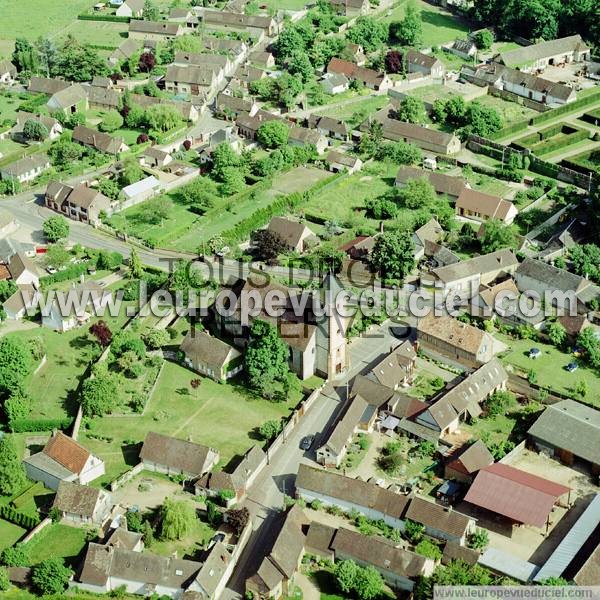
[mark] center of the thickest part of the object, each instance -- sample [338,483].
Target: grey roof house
[211,356]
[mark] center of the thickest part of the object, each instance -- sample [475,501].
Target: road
[266,495]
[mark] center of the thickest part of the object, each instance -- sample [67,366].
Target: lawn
[439,26]
[57,540]
[224,416]
[510,112]
[34,18]
[488,184]
[9,103]
[9,534]
[292,5]
[550,368]
[33,498]
[431,93]
[54,387]
[97,32]
[348,112]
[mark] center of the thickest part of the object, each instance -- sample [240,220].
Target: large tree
[99,393]
[273,134]
[51,576]
[268,244]
[412,110]
[369,583]
[16,363]
[266,359]
[163,117]
[393,255]
[408,31]
[417,193]
[78,62]
[25,56]
[12,473]
[33,129]
[178,519]
[496,235]
[369,33]
[345,575]
[238,518]
[56,228]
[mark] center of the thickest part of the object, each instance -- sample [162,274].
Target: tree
[266,359]
[147,534]
[131,172]
[554,581]
[7,289]
[381,208]
[428,549]
[111,121]
[129,364]
[273,134]
[401,153]
[268,244]
[368,33]
[109,187]
[128,341]
[101,331]
[16,556]
[157,338]
[482,120]
[134,521]
[163,117]
[16,363]
[496,235]
[233,181]
[12,473]
[136,269]
[200,194]
[223,156]
[393,255]
[51,576]
[147,62]
[368,583]
[417,193]
[499,402]
[345,573]
[25,56]
[17,406]
[98,394]
[483,39]
[34,129]
[4,581]
[270,429]
[289,43]
[409,31]
[150,11]
[299,65]
[78,62]
[557,334]
[238,518]
[412,110]
[56,228]
[586,260]
[287,88]
[394,62]
[178,519]
[63,151]
[413,531]
[57,256]
[479,539]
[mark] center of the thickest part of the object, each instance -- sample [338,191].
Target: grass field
[97,32]
[283,5]
[550,368]
[9,534]
[509,111]
[346,112]
[57,540]
[204,415]
[37,17]
[439,26]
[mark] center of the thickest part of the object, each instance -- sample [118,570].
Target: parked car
[307,442]
[572,366]
[535,353]
[51,270]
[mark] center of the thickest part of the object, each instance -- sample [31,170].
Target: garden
[552,138]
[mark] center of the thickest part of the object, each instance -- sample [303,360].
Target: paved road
[265,498]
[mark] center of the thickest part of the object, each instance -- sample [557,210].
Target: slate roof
[121,538]
[68,97]
[470,460]
[304,135]
[126,49]
[77,499]
[329,125]
[319,538]
[486,263]
[529,54]
[44,85]
[289,544]
[67,452]
[442,518]
[354,491]
[204,348]
[342,159]
[395,366]
[345,426]
[399,130]
[177,454]
[570,426]
[202,76]
[546,273]
[454,551]
[372,391]
[515,494]
[213,569]
[19,263]
[236,19]
[103,96]
[442,183]
[432,231]
[23,117]
[423,60]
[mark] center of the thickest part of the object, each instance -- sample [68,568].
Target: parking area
[146,491]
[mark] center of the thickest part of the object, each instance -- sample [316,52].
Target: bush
[428,549]
[31,425]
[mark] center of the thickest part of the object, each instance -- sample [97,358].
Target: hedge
[18,518]
[110,18]
[543,168]
[565,108]
[71,272]
[550,145]
[510,129]
[31,425]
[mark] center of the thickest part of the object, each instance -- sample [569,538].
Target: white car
[51,270]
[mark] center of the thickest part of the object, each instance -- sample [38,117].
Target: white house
[141,190]
[8,72]
[334,83]
[24,299]
[26,169]
[23,271]
[131,8]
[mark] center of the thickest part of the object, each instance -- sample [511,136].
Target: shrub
[428,549]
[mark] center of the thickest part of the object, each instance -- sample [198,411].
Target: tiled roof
[442,518]
[67,452]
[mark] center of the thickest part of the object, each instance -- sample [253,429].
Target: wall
[127,476]
[36,530]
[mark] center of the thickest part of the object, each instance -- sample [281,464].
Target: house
[543,54]
[101,142]
[228,20]
[350,8]
[296,236]
[454,551]
[131,8]
[466,49]
[10,246]
[63,459]
[301,136]
[360,247]
[398,567]
[441,522]
[497,299]
[8,72]
[337,162]
[417,62]
[334,83]
[397,368]
[53,127]
[318,540]
[525,85]
[220,64]
[154,157]
[518,496]
[429,233]
[190,80]
[80,203]
[82,504]
[568,292]
[464,464]
[332,128]
[231,47]
[158,31]
[69,100]
[17,305]
[142,190]
[169,455]
[447,337]
[211,356]
[45,85]
[464,278]
[246,74]
[125,51]
[232,106]
[25,169]
[569,432]
[185,16]
[107,567]
[105,98]
[23,270]
[423,137]
[127,540]
[275,575]
[238,481]
[371,79]
[264,60]
[335,489]
[92,299]
[478,206]
[443,184]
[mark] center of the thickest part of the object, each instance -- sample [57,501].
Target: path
[309,590]
[188,421]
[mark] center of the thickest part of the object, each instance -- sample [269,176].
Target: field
[57,540]
[439,26]
[102,33]
[9,534]
[550,368]
[36,17]
[346,112]
[509,111]
[204,414]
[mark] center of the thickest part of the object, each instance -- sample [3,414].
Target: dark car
[572,367]
[307,442]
